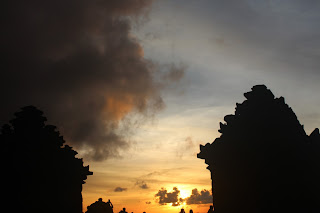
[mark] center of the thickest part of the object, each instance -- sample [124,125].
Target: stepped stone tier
[264,161]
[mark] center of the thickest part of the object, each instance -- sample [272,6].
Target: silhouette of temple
[40,174]
[100,207]
[264,161]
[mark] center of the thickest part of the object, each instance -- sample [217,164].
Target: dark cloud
[148,202]
[204,197]
[77,61]
[164,197]
[120,189]
[142,184]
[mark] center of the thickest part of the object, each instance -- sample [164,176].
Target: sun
[184,193]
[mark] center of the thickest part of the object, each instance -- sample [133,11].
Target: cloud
[204,197]
[120,189]
[163,174]
[187,146]
[142,184]
[174,72]
[148,202]
[164,197]
[78,62]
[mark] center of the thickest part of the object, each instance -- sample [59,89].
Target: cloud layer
[120,189]
[164,197]
[142,184]
[78,62]
[204,197]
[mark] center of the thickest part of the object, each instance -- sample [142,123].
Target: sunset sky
[136,86]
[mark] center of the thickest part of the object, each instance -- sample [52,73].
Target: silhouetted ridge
[41,175]
[264,161]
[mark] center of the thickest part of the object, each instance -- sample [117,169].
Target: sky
[136,86]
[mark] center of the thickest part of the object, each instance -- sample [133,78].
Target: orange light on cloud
[118,107]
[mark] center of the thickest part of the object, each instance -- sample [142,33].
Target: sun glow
[184,193]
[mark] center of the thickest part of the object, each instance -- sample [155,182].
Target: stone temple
[40,173]
[264,161]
